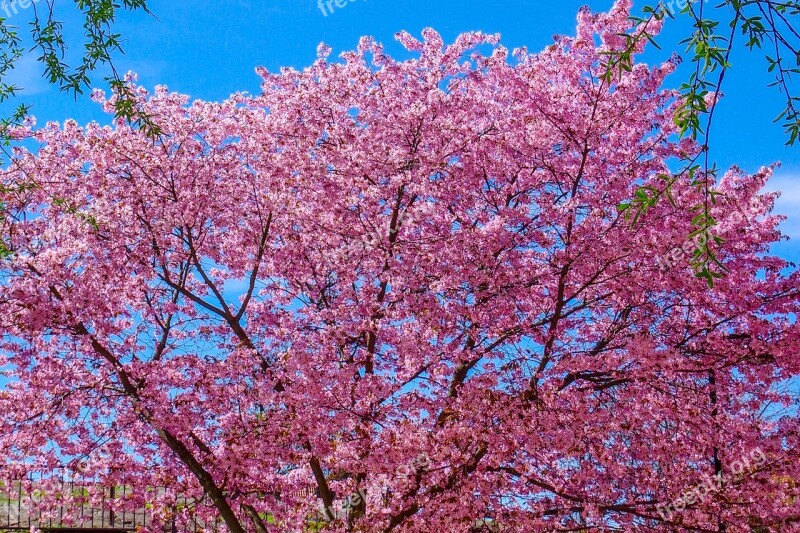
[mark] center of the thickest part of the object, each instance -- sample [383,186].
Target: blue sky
[210,49]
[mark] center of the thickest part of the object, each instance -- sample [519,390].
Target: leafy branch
[99,45]
[761,22]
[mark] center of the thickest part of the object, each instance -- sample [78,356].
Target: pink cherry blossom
[403,285]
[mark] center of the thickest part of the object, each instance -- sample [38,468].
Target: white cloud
[27,75]
[789,202]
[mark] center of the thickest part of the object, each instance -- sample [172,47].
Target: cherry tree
[403,287]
